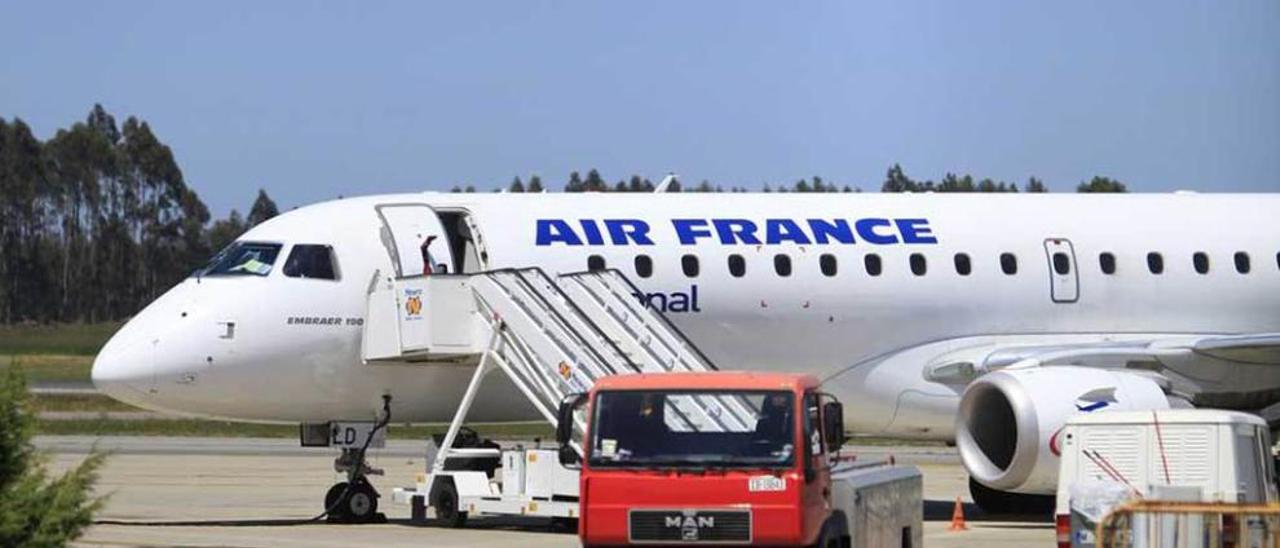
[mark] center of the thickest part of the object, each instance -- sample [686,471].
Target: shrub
[34,509]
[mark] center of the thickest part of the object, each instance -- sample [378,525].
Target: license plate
[766,483]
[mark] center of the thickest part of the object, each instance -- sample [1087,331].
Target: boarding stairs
[553,336]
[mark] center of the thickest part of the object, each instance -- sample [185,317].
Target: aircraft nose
[122,370]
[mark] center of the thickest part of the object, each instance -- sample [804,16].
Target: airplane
[979,319]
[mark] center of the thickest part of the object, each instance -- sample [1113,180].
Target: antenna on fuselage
[666,183]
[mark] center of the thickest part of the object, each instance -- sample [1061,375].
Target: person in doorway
[428,262]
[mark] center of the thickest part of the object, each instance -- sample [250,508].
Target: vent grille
[1189,452]
[1120,446]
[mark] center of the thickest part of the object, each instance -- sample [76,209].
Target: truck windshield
[693,429]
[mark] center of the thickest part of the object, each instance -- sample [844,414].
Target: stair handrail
[568,301]
[692,346]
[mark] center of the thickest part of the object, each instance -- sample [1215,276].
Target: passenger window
[963,265]
[1155,263]
[737,266]
[918,265]
[1242,262]
[1107,262]
[689,264]
[1201,261]
[644,266]
[1008,263]
[595,263]
[782,264]
[827,262]
[1061,263]
[872,262]
[310,261]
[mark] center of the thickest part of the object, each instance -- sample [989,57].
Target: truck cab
[716,457]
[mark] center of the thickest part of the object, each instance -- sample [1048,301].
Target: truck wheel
[829,538]
[446,504]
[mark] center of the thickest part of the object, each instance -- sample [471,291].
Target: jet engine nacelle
[1008,419]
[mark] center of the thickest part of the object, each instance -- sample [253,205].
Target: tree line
[98,220]
[896,180]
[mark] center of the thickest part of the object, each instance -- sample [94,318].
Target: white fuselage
[295,352]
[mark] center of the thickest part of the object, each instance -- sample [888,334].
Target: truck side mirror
[833,424]
[564,417]
[567,455]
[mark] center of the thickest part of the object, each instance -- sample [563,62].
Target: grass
[71,339]
[877,441]
[78,403]
[56,353]
[50,368]
[213,428]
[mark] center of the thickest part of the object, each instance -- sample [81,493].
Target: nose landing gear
[355,500]
[353,503]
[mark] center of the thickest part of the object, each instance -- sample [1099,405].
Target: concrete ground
[252,492]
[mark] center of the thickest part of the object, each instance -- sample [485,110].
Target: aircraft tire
[361,504]
[337,512]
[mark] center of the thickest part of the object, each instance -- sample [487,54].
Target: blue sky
[314,100]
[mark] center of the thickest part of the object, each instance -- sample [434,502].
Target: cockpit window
[310,261]
[243,258]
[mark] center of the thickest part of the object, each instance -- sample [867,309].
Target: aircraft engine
[1006,427]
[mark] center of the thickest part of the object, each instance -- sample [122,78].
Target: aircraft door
[404,229]
[1064,280]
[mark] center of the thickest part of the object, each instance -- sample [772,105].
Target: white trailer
[1187,455]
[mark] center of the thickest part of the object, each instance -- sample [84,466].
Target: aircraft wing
[1233,371]
[1251,349]
[1260,349]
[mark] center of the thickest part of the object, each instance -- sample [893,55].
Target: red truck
[727,458]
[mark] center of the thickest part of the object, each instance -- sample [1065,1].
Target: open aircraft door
[398,324]
[1064,280]
[404,228]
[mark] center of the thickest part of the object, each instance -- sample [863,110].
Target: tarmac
[260,492]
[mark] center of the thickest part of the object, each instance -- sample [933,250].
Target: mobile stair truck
[557,338]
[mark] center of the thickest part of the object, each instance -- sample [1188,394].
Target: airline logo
[625,232]
[1055,445]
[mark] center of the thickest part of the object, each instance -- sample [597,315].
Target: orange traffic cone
[957,518]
